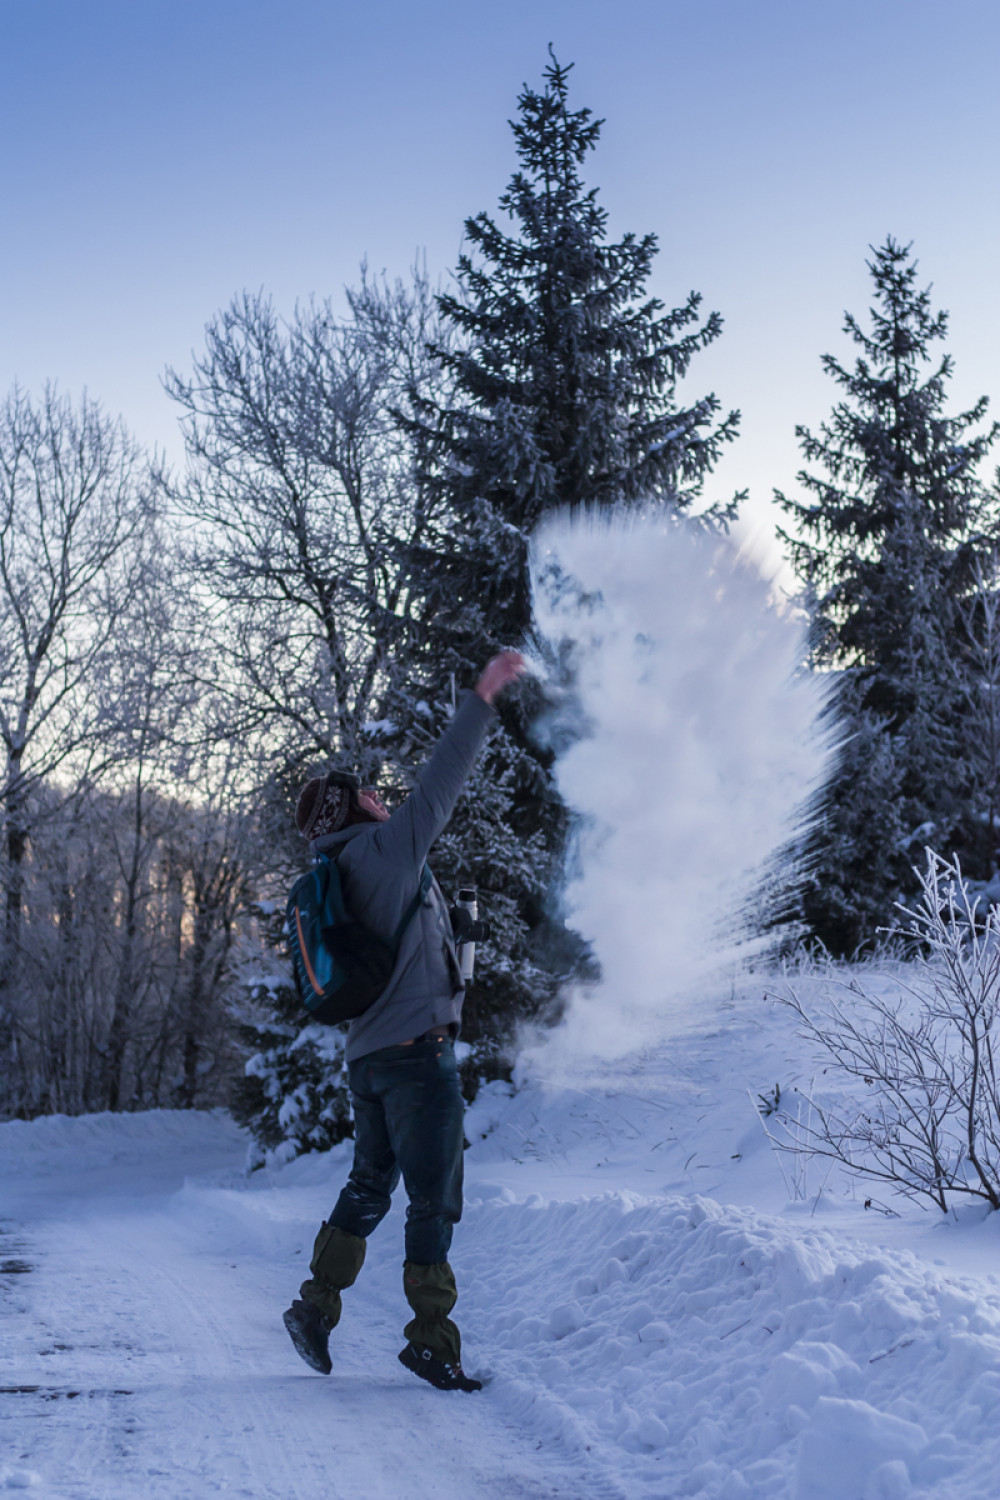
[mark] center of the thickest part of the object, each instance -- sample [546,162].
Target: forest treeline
[345,546]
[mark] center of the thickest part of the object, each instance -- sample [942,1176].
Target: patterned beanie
[324,804]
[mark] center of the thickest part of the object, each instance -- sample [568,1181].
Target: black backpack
[341,967]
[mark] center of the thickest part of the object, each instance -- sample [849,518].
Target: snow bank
[643,1344]
[60,1143]
[687,747]
[705,1351]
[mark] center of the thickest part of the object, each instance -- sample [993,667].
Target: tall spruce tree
[886,542]
[563,377]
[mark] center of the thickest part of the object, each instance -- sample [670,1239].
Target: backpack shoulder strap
[331,887]
[425,884]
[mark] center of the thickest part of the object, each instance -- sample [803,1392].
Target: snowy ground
[657,1318]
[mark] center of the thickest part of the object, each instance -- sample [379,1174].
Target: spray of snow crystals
[687,745]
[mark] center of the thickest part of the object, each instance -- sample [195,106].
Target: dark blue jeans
[408,1113]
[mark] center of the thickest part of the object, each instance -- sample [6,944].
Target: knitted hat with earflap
[325,803]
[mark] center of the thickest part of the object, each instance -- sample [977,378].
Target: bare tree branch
[929,1123]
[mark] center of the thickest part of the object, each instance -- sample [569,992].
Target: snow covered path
[658,1322]
[144,1353]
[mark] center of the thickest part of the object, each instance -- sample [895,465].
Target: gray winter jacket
[381,864]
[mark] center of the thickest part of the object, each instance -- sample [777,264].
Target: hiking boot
[309,1331]
[446,1377]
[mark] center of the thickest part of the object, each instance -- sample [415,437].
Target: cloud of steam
[688,745]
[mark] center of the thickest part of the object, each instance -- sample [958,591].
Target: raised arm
[412,829]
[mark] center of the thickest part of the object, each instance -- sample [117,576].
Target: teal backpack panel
[341,967]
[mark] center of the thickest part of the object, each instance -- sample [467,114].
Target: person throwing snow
[403,1076]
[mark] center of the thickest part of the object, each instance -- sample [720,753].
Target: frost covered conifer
[886,541]
[562,380]
[293,1096]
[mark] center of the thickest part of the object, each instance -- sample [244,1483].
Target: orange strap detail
[305,955]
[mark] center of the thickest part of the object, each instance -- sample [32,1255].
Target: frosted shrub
[928,1121]
[293,1095]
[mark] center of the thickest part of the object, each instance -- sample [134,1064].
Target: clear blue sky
[160,157]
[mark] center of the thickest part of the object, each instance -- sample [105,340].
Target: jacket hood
[342,836]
